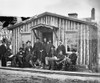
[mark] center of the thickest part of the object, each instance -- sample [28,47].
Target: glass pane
[71,41]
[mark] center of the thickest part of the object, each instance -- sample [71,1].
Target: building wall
[98,58]
[93,45]
[85,35]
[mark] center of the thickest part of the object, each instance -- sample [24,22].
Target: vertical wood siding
[84,36]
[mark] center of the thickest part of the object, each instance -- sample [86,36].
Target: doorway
[48,36]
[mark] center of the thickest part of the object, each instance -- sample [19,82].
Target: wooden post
[78,37]
[79,43]
[18,38]
[88,45]
[84,44]
[98,60]
[81,34]
[13,42]
[72,25]
[66,26]
[46,20]
[75,25]
[63,32]
[32,42]
[59,29]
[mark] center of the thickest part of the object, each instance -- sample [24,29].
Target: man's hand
[11,56]
[41,50]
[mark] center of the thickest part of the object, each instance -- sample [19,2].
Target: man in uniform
[28,54]
[38,50]
[61,47]
[2,52]
[73,59]
[48,47]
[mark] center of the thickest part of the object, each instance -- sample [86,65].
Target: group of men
[44,55]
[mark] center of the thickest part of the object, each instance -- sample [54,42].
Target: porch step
[31,75]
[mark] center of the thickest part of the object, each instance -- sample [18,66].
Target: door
[48,36]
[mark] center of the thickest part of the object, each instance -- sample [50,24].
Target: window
[71,41]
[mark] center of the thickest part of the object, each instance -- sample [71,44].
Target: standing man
[48,47]
[61,47]
[38,49]
[44,53]
[45,42]
[2,52]
[51,56]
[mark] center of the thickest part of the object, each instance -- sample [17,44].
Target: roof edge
[52,14]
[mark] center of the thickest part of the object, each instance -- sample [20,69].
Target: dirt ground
[9,76]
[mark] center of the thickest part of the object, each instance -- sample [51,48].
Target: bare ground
[10,76]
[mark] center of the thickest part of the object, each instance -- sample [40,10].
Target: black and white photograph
[49,41]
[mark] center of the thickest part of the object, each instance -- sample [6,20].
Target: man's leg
[52,64]
[47,60]
[3,61]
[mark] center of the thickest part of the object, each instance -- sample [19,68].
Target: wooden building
[74,33]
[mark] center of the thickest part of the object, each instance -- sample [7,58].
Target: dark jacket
[38,46]
[60,57]
[48,47]
[8,53]
[2,50]
[61,48]
[28,50]
[52,53]
[3,56]
[28,53]
[21,54]
[73,58]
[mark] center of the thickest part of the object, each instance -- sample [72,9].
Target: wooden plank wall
[84,44]
[93,42]
[83,35]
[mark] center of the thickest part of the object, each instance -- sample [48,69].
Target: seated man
[20,56]
[56,61]
[73,58]
[38,62]
[8,54]
[18,59]
[51,56]
[39,52]
[60,59]
[61,62]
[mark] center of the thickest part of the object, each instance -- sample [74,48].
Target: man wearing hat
[61,47]
[51,56]
[73,59]
[38,49]
[20,56]
[28,53]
